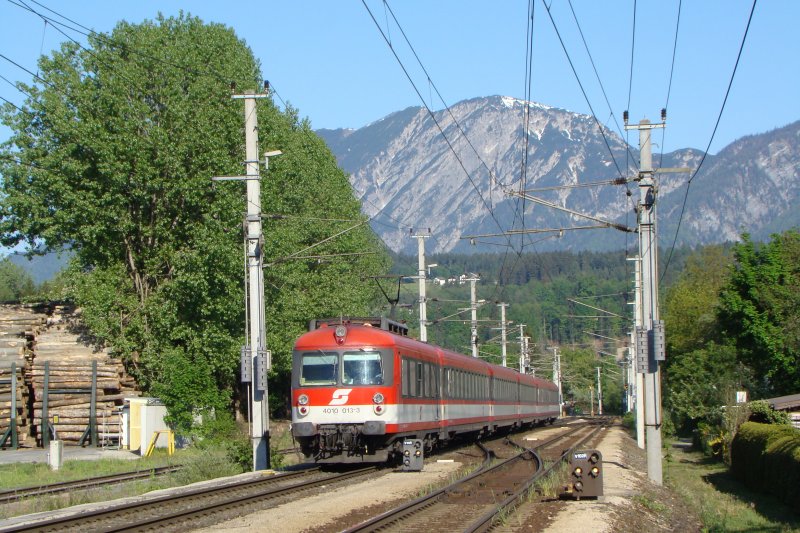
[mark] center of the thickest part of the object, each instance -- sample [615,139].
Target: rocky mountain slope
[408,177]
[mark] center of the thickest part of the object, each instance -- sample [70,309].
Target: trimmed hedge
[766,457]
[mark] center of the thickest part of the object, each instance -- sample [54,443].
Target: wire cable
[433,117]
[713,133]
[585,96]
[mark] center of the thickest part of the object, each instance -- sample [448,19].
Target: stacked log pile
[71,404]
[17,326]
[33,335]
[64,338]
[5,403]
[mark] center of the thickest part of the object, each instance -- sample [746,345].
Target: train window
[404,375]
[319,368]
[419,380]
[362,368]
[428,386]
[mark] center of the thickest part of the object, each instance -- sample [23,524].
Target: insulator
[625,116]
[233,86]
[663,114]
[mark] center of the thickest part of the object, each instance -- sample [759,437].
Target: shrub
[221,432]
[766,457]
[761,411]
[208,462]
[629,421]
[714,436]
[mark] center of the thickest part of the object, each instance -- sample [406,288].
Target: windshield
[362,368]
[319,368]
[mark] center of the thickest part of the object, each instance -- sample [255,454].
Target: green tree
[759,309]
[117,146]
[701,372]
[579,371]
[15,283]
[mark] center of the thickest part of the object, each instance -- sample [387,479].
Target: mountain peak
[407,175]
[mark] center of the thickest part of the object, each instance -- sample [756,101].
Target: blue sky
[328,59]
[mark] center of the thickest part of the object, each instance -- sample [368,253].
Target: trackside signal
[586,474]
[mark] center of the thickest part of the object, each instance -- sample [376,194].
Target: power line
[583,91]
[633,47]
[430,81]
[671,72]
[713,133]
[433,117]
[597,76]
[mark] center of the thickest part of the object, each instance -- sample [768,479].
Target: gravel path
[620,483]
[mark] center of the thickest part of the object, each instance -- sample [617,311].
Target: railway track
[14,495]
[478,501]
[187,508]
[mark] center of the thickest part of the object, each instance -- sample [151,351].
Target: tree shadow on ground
[766,505]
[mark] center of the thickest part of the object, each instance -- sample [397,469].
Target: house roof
[782,403]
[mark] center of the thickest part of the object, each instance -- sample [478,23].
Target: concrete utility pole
[523,350]
[502,306]
[474,307]
[255,357]
[421,276]
[639,367]
[648,251]
[599,393]
[557,377]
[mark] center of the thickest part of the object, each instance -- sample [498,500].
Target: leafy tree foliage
[15,283]
[759,310]
[701,372]
[579,370]
[116,148]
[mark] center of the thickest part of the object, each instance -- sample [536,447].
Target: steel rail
[390,518]
[487,520]
[93,520]
[431,499]
[13,495]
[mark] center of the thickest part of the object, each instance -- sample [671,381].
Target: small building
[141,418]
[790,404]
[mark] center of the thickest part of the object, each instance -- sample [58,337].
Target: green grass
[198,465]
[721,502]
[20,475]
[550,486]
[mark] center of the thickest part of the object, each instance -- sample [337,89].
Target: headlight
[377,398]
[302,410]
[578,471]
[302,399]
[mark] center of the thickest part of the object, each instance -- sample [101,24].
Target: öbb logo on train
[340,396]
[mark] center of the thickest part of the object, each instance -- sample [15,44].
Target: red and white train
[360,387]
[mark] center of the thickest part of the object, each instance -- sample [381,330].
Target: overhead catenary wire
[435,120]
[432,84]
[671,73]
[599,80]
[583,91]
[713,133]
[493,178]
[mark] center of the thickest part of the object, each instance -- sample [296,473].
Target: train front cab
[343,396]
